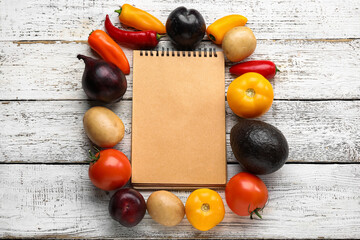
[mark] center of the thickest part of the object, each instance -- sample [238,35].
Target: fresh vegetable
[109,50]
[102,81]
[246,194]
[238,43]
[103,127]
[264,67]
[216,31]
[259,147]
[127,206]
[138,39]
[165,208]
[204,209]
[110,169]
[185,28]
[139,19]
[250,95]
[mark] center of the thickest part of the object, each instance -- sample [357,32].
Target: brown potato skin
[239,43]
[165,208]
[103,127]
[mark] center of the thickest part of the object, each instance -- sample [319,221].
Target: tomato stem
[93,157]
[250,92]
[256,211]
[205,207]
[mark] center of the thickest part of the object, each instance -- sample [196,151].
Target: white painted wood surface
[309,69]
[52,131]
[305,201]
[44,188]
[286,19]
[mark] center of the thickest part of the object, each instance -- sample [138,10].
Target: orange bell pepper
[139,19]
[109,50]
[216,31]
[250,95]
[204,209]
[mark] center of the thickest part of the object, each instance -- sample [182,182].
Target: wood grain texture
[288,19]
[52,131]
[305,201]
[314,43]
[309,69]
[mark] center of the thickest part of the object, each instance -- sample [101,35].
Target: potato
[103,127]
[239,43]
[165,208]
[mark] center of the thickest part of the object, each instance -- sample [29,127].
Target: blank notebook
[178,119]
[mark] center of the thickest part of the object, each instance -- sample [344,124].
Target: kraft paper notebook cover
[178,119]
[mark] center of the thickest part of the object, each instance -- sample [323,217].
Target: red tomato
[111,170]
[246,194]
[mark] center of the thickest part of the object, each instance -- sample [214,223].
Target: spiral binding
[205,52]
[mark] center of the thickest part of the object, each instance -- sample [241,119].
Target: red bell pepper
[263,67]
[138,39]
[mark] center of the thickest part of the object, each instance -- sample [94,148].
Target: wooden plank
[52,131]
[305,201]
[74,20]
[309,69]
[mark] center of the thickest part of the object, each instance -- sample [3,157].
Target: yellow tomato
[204,209]
[250,95]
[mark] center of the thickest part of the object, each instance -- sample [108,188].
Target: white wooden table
[45,191]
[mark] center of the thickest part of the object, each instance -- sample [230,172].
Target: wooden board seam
[166,39]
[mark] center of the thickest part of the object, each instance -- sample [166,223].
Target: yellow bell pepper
[216,31]
[139,19]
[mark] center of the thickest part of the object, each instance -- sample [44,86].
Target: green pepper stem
[159,36]
[212,38]
[277,70]
[91,33]
[118,11]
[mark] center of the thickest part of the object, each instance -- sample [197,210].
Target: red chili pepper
[263,67]
[139,39]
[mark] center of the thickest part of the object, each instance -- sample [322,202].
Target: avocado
[259,147]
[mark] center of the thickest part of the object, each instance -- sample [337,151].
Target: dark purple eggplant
[102,81]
